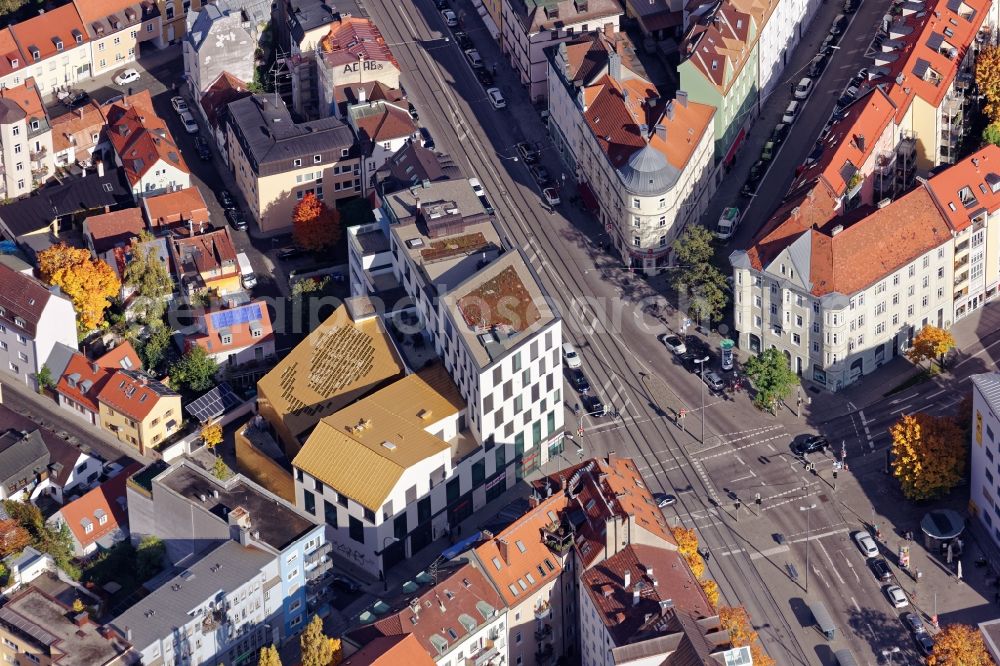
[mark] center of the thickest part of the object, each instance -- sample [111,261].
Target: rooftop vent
[836,230]
[389,445]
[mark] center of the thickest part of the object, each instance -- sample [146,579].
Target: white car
[126,76]
[190,126]
[570,357]
[896,596]
[804,88]
[475,60]
[791,113]
[674,344]
[180,106]
[450,19]
[496,98]
[551,195]
[866,543]
[477,187]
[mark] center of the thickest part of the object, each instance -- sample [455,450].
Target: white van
[247,277]
[791,113]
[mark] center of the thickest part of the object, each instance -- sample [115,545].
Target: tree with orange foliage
[315,226]
[687,545]
[929,455]
[711,590]
[959,645]
[929,344]
[89,283]
[736,622]
[13,537]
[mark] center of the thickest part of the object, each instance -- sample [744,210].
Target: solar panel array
[235,316]
[213,404]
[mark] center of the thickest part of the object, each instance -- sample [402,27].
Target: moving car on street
[812,444]
[664,500]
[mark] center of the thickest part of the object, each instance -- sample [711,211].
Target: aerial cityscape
[499,332]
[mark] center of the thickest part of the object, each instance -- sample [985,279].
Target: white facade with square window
[984,461]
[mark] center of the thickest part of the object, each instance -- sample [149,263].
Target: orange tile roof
[141,139]
[980,172]
[852,140]
[27,97]
[78,128]
[352,38]
[225,89]
[10,54]
[94,13]
[210,337]
[615,110]
[391,651]
[391,123]
[133,394]
[517,559]
[117,227]
[107,500]
[720,48]
[176,208]
[212,251]
[43,31]
[83,379]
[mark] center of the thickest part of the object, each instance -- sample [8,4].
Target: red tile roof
[116,228]
[171,209]
[720,47]
[133,394]
[78,128]
[980,173]
[11,59]
[22,298]
[391,123]
[353,38]
[241,334]
[83,379]
[658,575]
[391,651]
[141,139]
[42,32]
[211,251]
[225,89]
[107,500]
[96,14]
[27,97]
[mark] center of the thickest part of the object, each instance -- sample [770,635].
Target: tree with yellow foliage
[736,622]
[269,656]
[959,645]
[929,454]
[317,648]
[211,435]
[988,80]
[338,652]
[687,545]
[930,343]
[77,605]
[89,283]
[711,590]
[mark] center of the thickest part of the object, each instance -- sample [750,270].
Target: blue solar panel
[242,315]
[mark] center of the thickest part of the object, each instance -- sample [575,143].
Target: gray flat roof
[278,523]
[445,268]
[222,569]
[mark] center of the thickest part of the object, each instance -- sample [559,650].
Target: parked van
[791,113]
[247,277]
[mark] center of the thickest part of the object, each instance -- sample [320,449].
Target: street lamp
[701,373]
[887,654]
[385,579]
[808,510]
[512,158]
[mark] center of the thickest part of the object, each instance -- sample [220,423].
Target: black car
[812,444]
[689,361]
[850,6]
[463,40]
[426,138]
[579,380]
[527,152]
[485,78]
[226,199]
[925,642]
[817,65]
[236,219]
[413,112]
[779,133]
[76,99]
[593,405]
[204,152]
[881,569]
[540,174]
[441,4]
[345,584]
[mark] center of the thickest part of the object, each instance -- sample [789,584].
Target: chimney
[628,579]
[80,619]
[660,131]
[191,228]
[417,204]
[362,95]
[95,368]
[615,66]
[100,169]
[581,99]
[502,547]
[682,98]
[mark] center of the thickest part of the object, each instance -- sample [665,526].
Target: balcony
[543,610]
[557,538]
[36,155]
[317,554]
[961,263]
[959,279]
[488,655]
[544,633]
[544,656]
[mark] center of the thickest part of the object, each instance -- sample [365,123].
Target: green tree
[220,470]
[153,346]
[694,246]
[44,379]
[194,372]
[701,286]
[149,557]
[707,295]
[309,285]
[992,134]
[772,377]
[317,649]
[11,6]
[148,276]
[269,656]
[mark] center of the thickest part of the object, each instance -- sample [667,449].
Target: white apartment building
[382,128]
[983,489]
[388,480]
[53,48]
[370,258]
[450,259]
[647,162]
[779,36]
[528,28]
[25,141]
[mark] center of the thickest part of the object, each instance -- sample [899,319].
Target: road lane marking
[848,562]
[857,607]
[901,409]
[833,566]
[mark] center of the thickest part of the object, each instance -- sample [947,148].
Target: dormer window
[78,36]
[317,159]
[59,45]
[15,63]
[35,54]
[297,163]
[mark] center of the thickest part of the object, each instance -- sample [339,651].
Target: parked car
[462,38]
[527,152]
[866,543]
[925,643]
[426,140]
[236,220]
[791,113]
[190,126]
[180,106]
[817,65]
[450,18]
[551,195]
[768,153]
[881,569]
[896,596]
[913,622]
[289,253]
[484,77]
[714,381]
[664,500]
[578,380]
[729,220]
[75,99]
[850,6]
[812,444]
[440,4]
[126,76]
[412,111]
[540,174]
[496,98]
[475,60]
[570,357]
[674,344]
[839,24]
[803,89]
[345,583]
[593,405]
[204,152]
[226,199]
